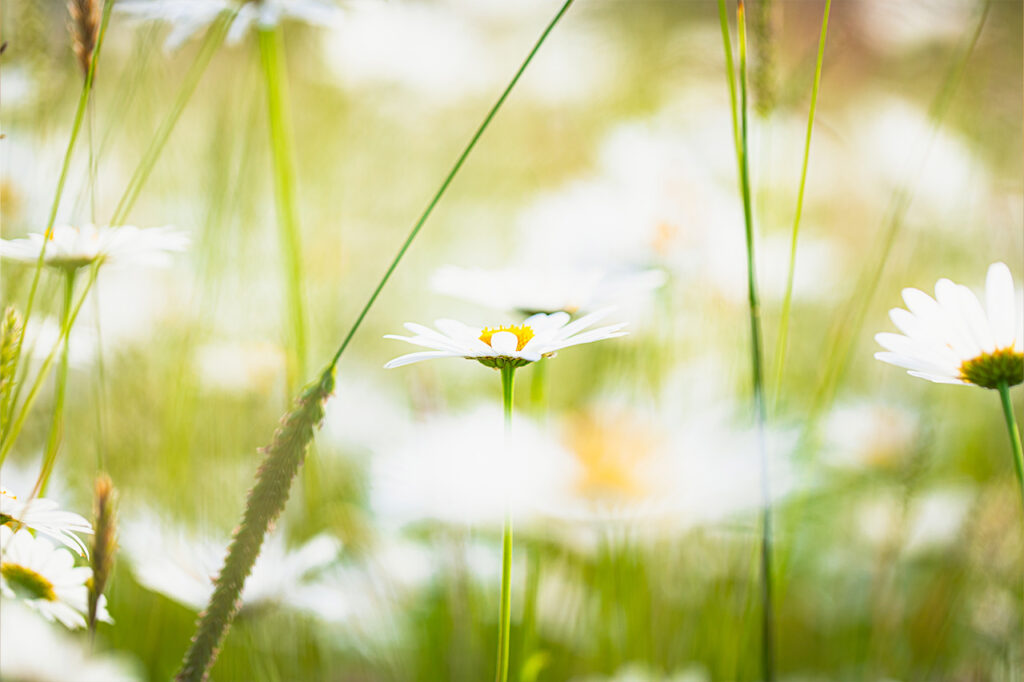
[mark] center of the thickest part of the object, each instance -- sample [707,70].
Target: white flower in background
[932,520]
[869,435]
[42,335]
[239,367]
[532,290]
[73,247]
[636,672]
[45,578]
[670,469]
[952,339]
[189,17]
[32,649]
[45,517]
[538,336]
[366,595]
[462,470]
[183,567]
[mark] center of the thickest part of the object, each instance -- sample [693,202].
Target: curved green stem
[283,151]
[448,181]
[57,424]
[780,346]
[505,615]
[1011,426]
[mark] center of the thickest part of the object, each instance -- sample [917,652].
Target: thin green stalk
[505,615]
[846,331]
[756,357]
[211,42]
[780,347]
[76,127]
[1011,426]
[282,147]
[15,427]
[448,180]
[287,451]
[57,423]
[730,72]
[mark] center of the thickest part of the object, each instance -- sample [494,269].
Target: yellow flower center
[522,332]
[988,370]
[26,583]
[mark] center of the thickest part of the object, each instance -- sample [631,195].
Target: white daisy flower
[45,517]
[539,336]
[532,290]
[189,17]
[45,578]
[71,248]
[32,649]
[183,567]
[952,339]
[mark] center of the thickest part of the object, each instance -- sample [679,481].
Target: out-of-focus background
[899,543]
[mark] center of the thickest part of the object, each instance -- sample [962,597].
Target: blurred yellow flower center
[523,334]
[610,454]
[26,583]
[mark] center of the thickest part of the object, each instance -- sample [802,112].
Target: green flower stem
[448,180]
[756,353]
[780,346]
[76,127]
[283,151]
[1011,426]
[505,617]
[57,423]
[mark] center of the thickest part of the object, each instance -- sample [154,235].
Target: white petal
[417,357]
[950,301]
[916,364]
[1000,304]
[976,320]
[582,323]
[936,378]
[505,343]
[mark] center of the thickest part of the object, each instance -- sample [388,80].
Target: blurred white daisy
[869,435]
[539,336]
[32,649]
[461,469]
[189,17]
[952,339]
[45,517]
[183,567]
[529,290]
[45,578]
[71,248]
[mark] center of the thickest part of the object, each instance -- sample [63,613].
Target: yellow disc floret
[522,332]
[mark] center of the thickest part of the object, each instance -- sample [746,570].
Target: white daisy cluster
[539,336]
[36,572]
[952,339]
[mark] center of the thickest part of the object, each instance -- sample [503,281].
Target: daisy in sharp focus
[45,517]
[45,578]
[952,339]
[507,346]
[70,248]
